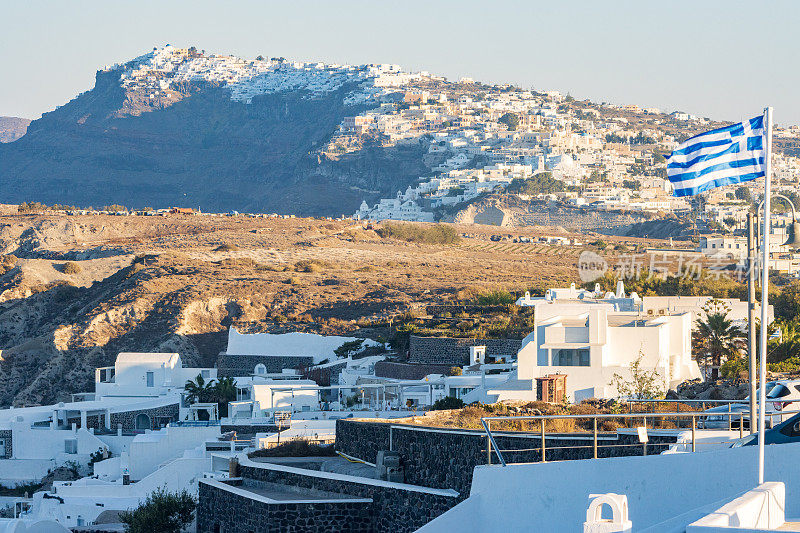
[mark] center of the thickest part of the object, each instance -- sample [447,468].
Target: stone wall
[388,369]
[442,458]
[455,351]
[242,429]
[222,510]
[394,510]
[7,435]
[158,415]
[232,365]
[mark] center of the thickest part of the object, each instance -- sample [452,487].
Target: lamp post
[753,240]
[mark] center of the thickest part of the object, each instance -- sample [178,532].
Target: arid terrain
[76,290]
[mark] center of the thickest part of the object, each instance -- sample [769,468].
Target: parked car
[785,432]
[781,395]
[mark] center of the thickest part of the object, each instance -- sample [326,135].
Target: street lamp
[793,238]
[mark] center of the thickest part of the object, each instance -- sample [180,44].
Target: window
[779,391]
[71,446]
[571,357]
[260,369]
[150,379]
[205,373]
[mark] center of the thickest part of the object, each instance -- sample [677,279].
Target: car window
[793,429]
[778,392]
[797,388]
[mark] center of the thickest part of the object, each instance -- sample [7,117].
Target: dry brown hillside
[176,283]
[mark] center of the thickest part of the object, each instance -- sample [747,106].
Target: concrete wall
[148,451]
[665,492]
[454,351]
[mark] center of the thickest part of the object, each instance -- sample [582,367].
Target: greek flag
[718,157]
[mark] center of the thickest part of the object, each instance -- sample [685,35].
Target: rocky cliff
[146,135]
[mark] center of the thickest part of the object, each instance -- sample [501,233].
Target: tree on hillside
[511,120]
[743,193]
[542,183]
[715,338]
[224,392]
[199,390]
[161,512]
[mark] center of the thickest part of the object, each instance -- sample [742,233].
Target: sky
[725,60]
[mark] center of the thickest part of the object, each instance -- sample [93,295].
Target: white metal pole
[762,378]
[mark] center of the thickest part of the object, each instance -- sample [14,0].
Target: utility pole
[751,316]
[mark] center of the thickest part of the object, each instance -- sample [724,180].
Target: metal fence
[689,419]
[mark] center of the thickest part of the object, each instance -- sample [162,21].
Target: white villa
[592,343]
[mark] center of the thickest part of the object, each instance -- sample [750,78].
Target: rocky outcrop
[12,128]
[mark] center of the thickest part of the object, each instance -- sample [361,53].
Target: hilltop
[12,128]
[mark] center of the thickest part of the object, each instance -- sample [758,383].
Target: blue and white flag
[732,154]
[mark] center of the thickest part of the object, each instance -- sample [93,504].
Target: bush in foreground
[161,512]
[296,448]
[448,402]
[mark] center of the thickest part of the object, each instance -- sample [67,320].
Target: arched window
[260,369]
[142,421]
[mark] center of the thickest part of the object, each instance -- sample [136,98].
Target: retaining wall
[455,351]
[442,458]
[233,365]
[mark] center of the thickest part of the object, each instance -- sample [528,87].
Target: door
[150,379]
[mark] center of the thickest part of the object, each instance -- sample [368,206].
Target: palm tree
[717,339]
[198,390]
[225,392]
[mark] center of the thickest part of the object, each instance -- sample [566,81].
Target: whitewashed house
[590,344]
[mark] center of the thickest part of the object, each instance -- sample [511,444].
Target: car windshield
[778,391]
[770,385]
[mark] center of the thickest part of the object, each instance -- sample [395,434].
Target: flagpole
[762,373]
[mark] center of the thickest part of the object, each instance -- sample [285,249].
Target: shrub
[296,448]
[71,267]
[310,265]
[294,280]
[455,371]
[498,297]
[436,234]
[162,512]
[226,247]
[448,402]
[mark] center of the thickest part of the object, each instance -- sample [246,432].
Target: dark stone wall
[455,352]
[393,510]
[157,416]
[238,514]
[241,429]
[387,369]
[93,421]
[446,459]
[232,365]
[7,434]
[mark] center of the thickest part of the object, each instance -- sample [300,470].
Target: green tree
[161,512]
[743,193]
[199,390]
[542,183]
[511,120]
[225,392]
[642,384]
[349,348]
[715,338]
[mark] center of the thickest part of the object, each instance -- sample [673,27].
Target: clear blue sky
[722,59]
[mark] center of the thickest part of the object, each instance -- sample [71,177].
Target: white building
[592,343]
